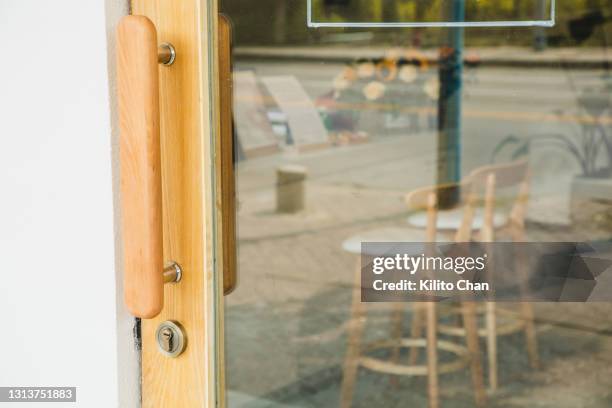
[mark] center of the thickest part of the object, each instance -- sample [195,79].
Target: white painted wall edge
[60,292]
[128,356]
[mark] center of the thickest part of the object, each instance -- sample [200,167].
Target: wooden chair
[499,186]
[356,355]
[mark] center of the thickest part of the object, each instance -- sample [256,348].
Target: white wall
[58,287]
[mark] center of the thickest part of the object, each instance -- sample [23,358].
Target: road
[497,102]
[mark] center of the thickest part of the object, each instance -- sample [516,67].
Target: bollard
[290,188]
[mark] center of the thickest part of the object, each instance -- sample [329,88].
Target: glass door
[341,109]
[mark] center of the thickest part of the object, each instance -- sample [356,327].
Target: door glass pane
[335,125]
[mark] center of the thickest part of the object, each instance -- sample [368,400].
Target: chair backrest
[481,185]
[417,200]
[506,175]
[491,179]
[426,199]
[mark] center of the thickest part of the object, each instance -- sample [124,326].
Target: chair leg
[432,355]
[355,331]
[471,336]
[396,334]
[518,235]
[491,324]
[530,335]
[458,320]
[415,331]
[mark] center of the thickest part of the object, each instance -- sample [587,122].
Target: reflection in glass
[336,126]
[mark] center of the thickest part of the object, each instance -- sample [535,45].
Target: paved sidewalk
[582,58]
[287,321]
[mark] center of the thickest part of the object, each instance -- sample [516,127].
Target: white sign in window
[441,13]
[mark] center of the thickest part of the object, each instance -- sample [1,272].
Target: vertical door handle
[226,156]
[140,165]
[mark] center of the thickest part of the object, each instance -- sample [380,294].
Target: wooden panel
[188,101]
[141,196]
[225,147]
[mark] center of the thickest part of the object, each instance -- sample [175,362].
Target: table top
[451,219]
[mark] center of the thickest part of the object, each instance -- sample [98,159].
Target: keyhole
[171,340]
[168,339]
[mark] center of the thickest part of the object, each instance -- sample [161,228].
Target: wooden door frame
[189,131]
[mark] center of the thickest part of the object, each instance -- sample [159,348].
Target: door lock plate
[171,340]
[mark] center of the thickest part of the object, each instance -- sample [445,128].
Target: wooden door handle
[226,156]
[140,165]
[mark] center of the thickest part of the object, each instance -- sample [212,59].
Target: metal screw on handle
[166,54]
[173,273]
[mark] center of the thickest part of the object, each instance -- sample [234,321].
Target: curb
[349,56]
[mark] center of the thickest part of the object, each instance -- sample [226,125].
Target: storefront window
[336,125]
